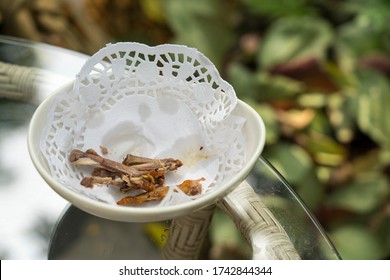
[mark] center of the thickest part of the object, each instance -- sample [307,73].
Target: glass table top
[29,209]
[79,235]
[36,223]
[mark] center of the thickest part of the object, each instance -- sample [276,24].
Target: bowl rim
[132,213]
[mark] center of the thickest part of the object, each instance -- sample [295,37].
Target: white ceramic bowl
[254,134]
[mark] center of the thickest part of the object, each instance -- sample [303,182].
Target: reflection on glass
[29,209]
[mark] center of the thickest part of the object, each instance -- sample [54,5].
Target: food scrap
[104,150]
[134,172]
[189,187]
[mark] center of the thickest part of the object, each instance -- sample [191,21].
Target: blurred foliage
[318,72]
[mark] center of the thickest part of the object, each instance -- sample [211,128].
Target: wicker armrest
[268,239]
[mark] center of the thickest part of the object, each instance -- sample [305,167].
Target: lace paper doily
[163,101]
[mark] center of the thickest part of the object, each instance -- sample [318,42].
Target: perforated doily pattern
[123,71]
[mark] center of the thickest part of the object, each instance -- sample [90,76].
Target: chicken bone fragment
[155,195]
[133,172]
[189,187]
[143,163]
[90,157]
[91,181]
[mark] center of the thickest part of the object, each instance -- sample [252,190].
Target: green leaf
[274,87]
[202,24]
[320,124]
[243,81]
[356,242]
[372,114]
[312,100]
[340,109]
[324,149]
[262,86]
[352,43]
[367,33]
[279,8]
[290,160]
[153,9]
[295,38]
[311,190]
[296,166]
[269,117]
[363,195]
[384,232]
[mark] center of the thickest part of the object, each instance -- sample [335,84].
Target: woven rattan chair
[268,239]
[26,83]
